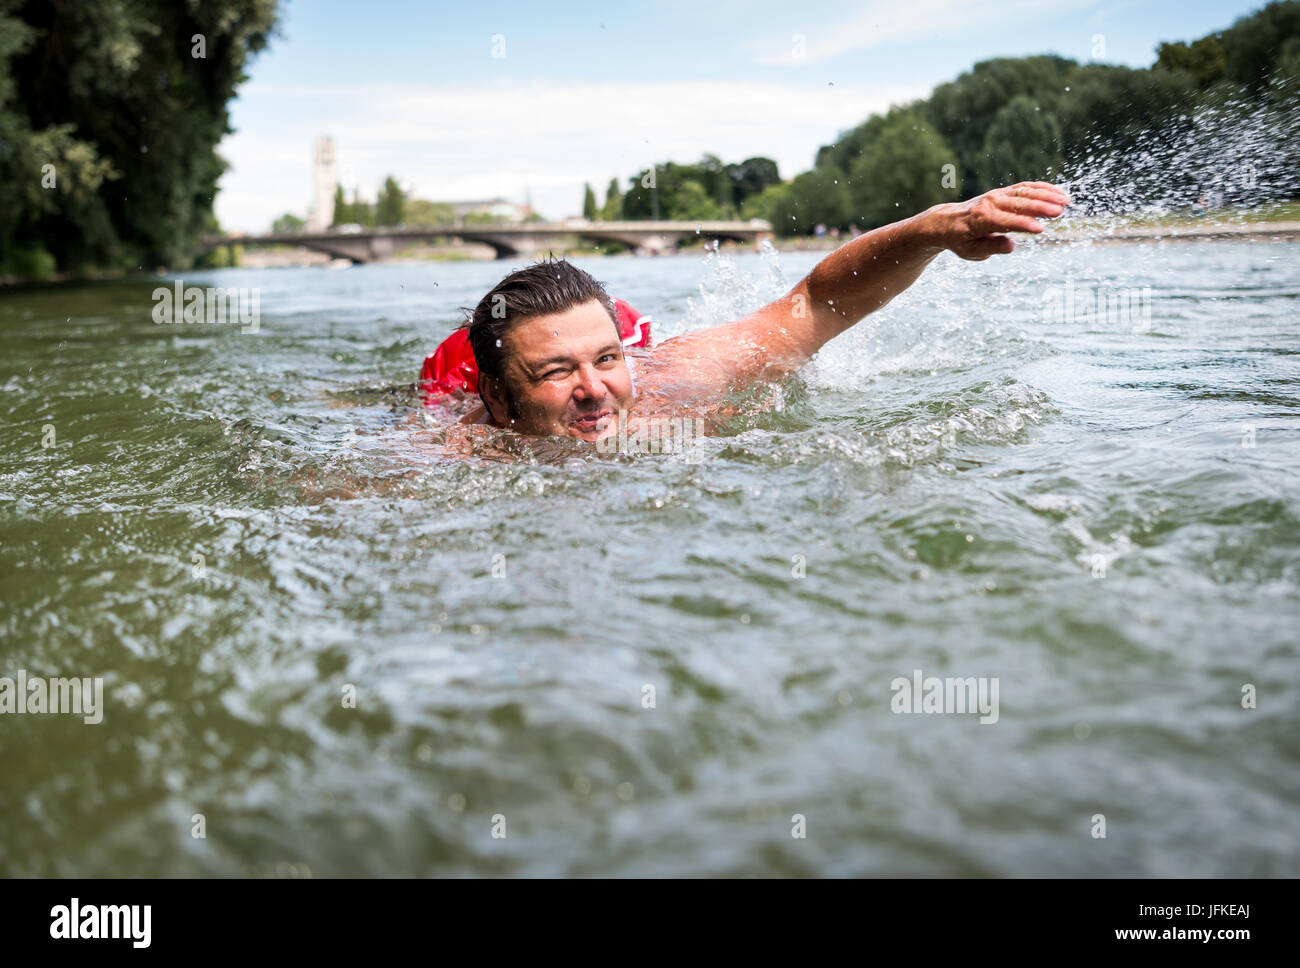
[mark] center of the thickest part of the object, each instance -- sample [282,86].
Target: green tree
[1253,44]
[750,178]
[128,110]
[668,177]
[1286,75]
[817,197]
[390,207]
[962,110]
[1022,144]
[1204,59]
[588,202]
[766,205]
[1110,108]
[424,214]
[484,218]
[901,171]
[342,211]
[287,223]
[362,213]
[613,210]
[691,202]
[712,176]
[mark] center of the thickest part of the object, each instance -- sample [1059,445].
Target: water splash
[727,293]
[1241,155]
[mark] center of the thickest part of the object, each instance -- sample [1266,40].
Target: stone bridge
[527,240]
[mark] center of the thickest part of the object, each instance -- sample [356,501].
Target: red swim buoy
[451,366]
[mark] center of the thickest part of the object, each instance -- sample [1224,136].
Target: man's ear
[489,392]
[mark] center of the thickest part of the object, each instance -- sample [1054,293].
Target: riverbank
[1281,223]
[476,252]
[1218,232]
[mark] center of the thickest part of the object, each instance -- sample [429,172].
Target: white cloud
[886,21]
[462,142]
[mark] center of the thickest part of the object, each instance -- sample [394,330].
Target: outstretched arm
[856,279]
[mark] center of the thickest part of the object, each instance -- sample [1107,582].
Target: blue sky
[589,91]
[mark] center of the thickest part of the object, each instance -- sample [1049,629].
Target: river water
[329,650]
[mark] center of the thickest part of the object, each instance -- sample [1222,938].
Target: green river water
[238,531]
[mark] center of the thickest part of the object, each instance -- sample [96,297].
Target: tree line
[110,116]
[390,208]
[111,113]
[1003,121]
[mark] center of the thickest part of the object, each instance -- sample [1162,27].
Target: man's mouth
[588,423]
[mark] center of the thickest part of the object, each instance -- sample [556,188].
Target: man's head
[549,357]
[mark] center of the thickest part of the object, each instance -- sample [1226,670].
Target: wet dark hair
[542,289]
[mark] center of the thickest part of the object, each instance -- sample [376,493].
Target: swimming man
[550,360]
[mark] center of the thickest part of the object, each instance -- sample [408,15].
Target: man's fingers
[1031,206]
[998,219]
[1016,208]
[1040,186]
[1049,194]
[1047,185]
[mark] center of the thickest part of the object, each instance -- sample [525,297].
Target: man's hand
[973,229]
[856,279]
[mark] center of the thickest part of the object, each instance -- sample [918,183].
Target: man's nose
[590,385]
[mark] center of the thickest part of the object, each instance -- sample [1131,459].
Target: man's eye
[552,374]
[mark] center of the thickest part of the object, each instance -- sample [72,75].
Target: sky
[529,101]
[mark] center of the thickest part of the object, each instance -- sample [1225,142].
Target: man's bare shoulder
[721,359]
[675,373]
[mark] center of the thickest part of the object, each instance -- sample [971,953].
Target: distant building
[321,216]
[495,207]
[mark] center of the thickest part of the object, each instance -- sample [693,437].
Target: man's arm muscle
[856,279]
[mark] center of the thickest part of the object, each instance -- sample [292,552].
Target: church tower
[327,179]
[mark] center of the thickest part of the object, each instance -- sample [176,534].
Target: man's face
[567,374]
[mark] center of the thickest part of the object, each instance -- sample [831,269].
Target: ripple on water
[351,652]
